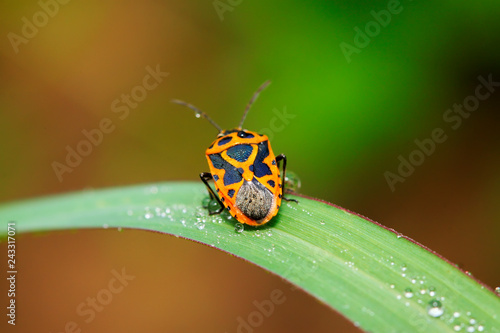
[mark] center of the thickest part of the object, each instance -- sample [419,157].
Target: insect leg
[205,177]
[279,158]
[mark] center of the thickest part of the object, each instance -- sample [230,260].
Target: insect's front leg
[279,158]
[205,177]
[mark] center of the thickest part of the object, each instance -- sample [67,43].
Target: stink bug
[245,171]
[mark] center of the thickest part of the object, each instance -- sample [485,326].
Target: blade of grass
[380,280]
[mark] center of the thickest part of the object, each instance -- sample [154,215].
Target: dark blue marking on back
[225,140]
[216,178]
[230,193]
[261,169]
[240,153]
[271,183]
[231,174]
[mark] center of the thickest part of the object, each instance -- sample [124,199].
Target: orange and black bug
[245,171]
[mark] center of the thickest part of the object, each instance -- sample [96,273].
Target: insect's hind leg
[279,158]
[205,177]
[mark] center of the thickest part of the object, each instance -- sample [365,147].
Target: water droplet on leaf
[238,227]
[435,309]
[200,225]
[292,181]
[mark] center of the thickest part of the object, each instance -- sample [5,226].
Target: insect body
[245,171]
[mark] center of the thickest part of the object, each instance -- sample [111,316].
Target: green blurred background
[349,120]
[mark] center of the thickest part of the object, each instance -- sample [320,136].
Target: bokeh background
[350,118]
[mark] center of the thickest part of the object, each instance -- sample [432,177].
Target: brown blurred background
[355,105]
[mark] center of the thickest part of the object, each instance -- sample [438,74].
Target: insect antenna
[254,97]
[198,113]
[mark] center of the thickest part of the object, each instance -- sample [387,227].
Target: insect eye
[243,134]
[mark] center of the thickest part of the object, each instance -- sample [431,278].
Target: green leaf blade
[381,281]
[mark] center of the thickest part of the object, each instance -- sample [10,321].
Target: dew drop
[119,229]
[435,309]
[292,181]
[497,290]
[205,202]
[471,329]
[457,328]
[213,205]
[197,114]
[408,293]
[422,291]
[480,328]
[105,226]
[432,291]
[456,314]
[200,225]
[238,227]
[322,222]
[403,268]
[392,286]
